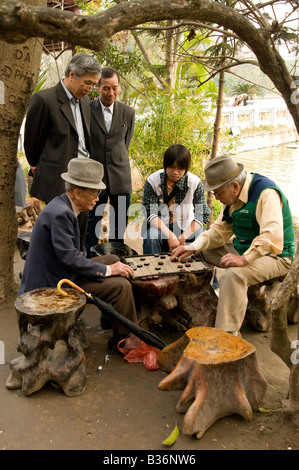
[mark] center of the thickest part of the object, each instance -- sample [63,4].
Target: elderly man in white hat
[56,251]
[253,237]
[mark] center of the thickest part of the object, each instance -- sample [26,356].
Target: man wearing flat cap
[56,250]
[256,214]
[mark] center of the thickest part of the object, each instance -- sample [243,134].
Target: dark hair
[177,154]
[108,72]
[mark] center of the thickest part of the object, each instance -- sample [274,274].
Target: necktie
[77,115]
[107,118]
[79,125]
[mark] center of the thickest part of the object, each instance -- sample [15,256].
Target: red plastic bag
[135,350]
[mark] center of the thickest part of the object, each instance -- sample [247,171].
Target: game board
[149,267]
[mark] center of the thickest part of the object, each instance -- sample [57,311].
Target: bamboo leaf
[263,410]
[172,436]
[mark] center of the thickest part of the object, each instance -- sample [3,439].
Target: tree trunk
[172,45]
[20,66]
[217,128]
[147,59]
[49,343]
[169,56]
[217,122]
[280,343]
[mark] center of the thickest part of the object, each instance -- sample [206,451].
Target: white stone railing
[257,113]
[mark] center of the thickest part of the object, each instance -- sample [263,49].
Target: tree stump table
[183,301]
[218,373]
[49,342]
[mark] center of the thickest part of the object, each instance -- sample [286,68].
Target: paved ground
[123,409]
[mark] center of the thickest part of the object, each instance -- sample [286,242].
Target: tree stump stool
[260,298]
[184,301]
[219,375]
[51,351]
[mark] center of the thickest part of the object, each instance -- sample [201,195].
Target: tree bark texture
[280,342]
[217,127]
[218,373]
[260,300]
[49,342]
[183,301]
[19,72]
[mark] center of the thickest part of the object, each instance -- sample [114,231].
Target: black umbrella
[149,338]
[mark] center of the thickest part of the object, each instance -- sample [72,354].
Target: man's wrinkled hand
[121,269]
[233,260]
[182,251]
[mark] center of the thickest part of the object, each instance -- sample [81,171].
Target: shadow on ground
[122,407]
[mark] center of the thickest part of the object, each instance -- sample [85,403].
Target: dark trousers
[118,219]
[117,291]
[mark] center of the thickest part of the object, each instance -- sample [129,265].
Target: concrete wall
[262,140]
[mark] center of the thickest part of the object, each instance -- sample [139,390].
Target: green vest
[245,226]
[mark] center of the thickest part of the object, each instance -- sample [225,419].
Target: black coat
[111,149]
[55,252]
[51,139]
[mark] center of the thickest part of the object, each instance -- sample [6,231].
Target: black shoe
[105,322]
[113,342]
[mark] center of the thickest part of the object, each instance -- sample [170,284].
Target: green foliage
[217,208]
[248,88]
[40,82]
[286,34]
[164,115]
[175,116]
[169,118]
[120,55]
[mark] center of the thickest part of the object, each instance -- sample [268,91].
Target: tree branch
[19,22]
[147,59]
[195,24]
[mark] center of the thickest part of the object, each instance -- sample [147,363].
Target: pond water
[281,164]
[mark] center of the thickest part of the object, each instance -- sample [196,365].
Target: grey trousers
[116,290]
[234,283]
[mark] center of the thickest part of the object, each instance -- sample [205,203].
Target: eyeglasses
[94,193]
[217,193]
[89,84]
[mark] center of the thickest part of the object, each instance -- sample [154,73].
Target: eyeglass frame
[95,192]
[92,86]
[216,193]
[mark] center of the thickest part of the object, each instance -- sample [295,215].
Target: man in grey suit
[57,127]
[56,252]
[111,128]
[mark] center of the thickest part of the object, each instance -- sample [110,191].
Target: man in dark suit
[57,127]
[111,128]
[56,251]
